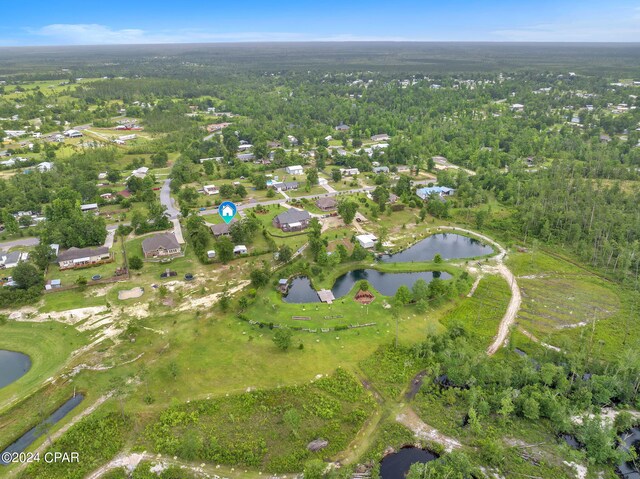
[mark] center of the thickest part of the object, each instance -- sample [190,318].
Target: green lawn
[48,344]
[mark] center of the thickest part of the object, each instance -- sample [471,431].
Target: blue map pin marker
[227,211]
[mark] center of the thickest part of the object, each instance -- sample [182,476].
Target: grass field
[49,346]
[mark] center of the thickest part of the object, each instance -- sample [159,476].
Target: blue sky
[63,22]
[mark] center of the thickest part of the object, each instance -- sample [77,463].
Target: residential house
[293,140]
[140,172]
[161,246]
[605,138]
[294,170]
[366,240]
[246,157]
[441,191]
[107,196]
[210,190]
[79,257]
[240,249]
[380,137]
[349,171]
[292,220]
[11,260]
[380,169]
[285,185]
[342,127]
[222,229]
[89,207]
[517,107]
[73,134]
[14,133]
[326,204]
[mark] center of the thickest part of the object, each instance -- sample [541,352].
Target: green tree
[135,262]
[27,276]
[531,409]
[403,295]
[283,338]
[285,253]
[42,255]
[312,176]
[160,159]
[336,176]
[224,249]
[347,210]
[10,223]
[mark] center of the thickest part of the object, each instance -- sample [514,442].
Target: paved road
[278,201]
[166,200]
[7,245]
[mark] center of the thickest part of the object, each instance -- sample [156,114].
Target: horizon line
[305,42]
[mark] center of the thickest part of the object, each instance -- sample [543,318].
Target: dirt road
[516,298]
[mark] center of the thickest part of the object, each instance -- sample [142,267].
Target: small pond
[631,439]
[385,283]
[301,291]
[397,465]
[31,435]
[13,365]
[447,245]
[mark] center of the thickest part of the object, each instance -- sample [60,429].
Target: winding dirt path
[516,298]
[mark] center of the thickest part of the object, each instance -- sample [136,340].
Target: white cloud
[96,34]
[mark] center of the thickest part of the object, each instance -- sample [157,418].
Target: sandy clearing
[210,300]
[407,417]
[581,471]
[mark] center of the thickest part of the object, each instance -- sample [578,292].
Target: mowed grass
[71,299]
[49,345]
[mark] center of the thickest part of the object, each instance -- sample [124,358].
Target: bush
[135,262]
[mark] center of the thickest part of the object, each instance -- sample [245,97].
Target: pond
[397,465]
[301,291]
[31,435]
[13,365]
[631,439]
[447,245]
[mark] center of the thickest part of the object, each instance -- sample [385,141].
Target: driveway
[166,200]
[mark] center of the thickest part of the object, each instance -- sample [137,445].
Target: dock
[326,296]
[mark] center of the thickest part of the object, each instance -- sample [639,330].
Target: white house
[11,260]
[140,172]
[72,134]
[517,107]
[294,170]
[240,249]
[210,190]
[367,240]
[44,166]
[349,171]
[211,254]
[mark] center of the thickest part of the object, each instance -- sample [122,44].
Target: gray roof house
[80,257]
[292,220]
[161,245]
[222,228]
